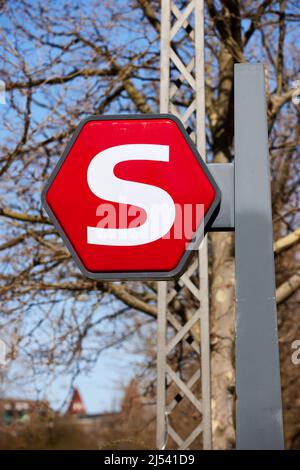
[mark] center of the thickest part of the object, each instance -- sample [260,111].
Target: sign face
[131,197]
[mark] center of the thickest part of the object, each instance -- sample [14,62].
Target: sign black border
[134,275]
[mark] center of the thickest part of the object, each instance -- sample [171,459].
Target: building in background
[29,424]
[90,422]
[76,406]
[19,411]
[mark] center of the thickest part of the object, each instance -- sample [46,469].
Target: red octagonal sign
[131,197]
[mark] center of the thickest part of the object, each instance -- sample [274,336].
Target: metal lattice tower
[182,29]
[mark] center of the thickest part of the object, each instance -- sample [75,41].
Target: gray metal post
[259,405]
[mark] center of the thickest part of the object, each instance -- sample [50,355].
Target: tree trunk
[222,340]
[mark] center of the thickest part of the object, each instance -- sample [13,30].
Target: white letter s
[157,203]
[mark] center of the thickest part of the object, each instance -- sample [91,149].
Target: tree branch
[150,14]
[288,288]
[254,23]
[34,219]
[287,242]
[58,80]
[276,102]
[132,301]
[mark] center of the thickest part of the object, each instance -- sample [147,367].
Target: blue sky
[101,389]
